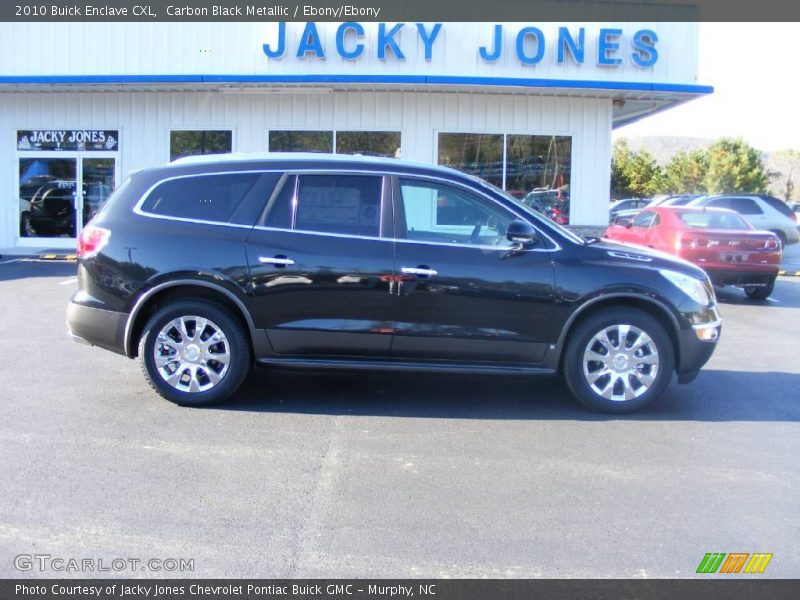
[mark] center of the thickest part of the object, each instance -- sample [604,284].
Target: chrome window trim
[375,173]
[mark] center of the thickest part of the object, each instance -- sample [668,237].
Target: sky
[754,70]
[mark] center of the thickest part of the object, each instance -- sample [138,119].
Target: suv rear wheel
[194,353]
[619,360]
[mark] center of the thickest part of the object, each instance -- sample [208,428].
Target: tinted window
[440,213]
[207,198]
[644,219]
[746,206]
[346,204]
[720,203]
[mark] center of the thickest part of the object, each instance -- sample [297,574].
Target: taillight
[91,240]
[772,244]
[693,241]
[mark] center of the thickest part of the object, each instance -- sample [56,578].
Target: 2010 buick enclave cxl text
[211,265]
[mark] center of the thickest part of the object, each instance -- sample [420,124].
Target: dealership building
[528,106]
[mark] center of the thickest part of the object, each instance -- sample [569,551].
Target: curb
[62,257]
[789,273]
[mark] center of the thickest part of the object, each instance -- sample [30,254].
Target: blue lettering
[281,43]
[646,54]
[310,42]
[386,40]
[428,38]
[341,32]
[498,46]
[607,42]
[566,43]
[536,33]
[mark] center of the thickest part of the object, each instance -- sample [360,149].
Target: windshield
[529,211]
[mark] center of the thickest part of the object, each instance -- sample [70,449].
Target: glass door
[47,197]
[59,195]
[97,182]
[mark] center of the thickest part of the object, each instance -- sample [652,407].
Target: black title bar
[399,10]
[353,589]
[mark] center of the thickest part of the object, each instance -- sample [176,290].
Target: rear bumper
[723,277]
[97,327]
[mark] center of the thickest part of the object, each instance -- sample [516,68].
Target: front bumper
[97,327]
[697,344]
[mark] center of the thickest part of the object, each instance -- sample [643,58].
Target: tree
[734,166]
[685,172]
[634,173]
[784,167]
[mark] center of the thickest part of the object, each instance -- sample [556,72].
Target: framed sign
[82,140]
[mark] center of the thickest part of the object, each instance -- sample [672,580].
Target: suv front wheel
[194,353]
[619,360]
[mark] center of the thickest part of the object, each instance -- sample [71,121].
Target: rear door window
[340,204]
[746,206]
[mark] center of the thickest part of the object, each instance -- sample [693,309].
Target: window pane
[475,153]
[643,219]
[191,143]
[207,198]
[47,189]
[538,163]
[439,213]
[745,206]
[369,143]
[301,141]
[347,204]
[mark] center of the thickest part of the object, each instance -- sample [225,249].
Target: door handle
[421,271]
[278,261]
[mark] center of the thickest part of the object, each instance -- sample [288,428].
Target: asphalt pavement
[386,475]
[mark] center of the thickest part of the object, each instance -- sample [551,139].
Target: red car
[717,240]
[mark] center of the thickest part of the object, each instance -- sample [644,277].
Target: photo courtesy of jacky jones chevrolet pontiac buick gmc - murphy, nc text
[211,265]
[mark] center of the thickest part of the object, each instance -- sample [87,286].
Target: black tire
[579,343]
[235,342]
[761,292]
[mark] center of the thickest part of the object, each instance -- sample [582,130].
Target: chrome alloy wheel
[192,354]
[620,362]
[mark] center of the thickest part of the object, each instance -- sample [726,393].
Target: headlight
[689,285]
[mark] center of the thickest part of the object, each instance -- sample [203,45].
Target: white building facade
[530,107]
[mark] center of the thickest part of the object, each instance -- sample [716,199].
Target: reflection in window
[47,189]
[191,143]
[475,153]
[301,141]
[369,143]
[533,164]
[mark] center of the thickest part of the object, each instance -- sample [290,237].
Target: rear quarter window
[203,197]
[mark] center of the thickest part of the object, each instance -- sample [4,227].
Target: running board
[399,365]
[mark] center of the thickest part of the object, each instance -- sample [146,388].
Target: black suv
[210,265]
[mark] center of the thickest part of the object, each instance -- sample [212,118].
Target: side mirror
[522,232]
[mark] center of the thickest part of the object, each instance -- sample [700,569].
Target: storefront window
[532,163]
[369,143]
[301,141]
[475,153]
[191,143]
[538,162]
